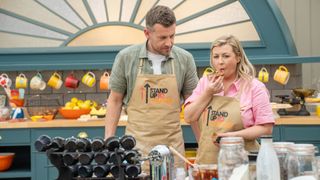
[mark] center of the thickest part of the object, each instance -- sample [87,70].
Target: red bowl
[6,161]
[73,113]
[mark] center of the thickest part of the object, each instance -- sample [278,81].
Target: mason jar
[282,150]
[301,160]
[231,156]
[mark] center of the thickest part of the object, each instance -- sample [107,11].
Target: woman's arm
[252,132]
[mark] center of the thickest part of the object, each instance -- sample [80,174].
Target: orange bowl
[6,160]
[73,113]
[17,102]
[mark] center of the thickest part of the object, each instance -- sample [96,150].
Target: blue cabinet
[34,165]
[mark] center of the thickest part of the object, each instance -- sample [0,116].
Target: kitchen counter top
[57,123]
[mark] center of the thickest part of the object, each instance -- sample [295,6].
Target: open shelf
[21,166]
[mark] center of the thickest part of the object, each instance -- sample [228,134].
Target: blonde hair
[245,69]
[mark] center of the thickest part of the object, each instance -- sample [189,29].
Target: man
[149,80]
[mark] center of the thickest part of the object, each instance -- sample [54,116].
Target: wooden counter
[287,120]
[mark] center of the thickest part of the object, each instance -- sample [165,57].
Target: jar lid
[303,148]
[231,140]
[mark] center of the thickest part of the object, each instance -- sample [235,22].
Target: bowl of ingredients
[6,160]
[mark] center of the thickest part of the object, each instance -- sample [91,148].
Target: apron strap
[141,63]
[172,64]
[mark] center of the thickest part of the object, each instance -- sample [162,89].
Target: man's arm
[114,108]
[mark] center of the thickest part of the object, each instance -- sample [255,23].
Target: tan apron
[221,115]
[153,113]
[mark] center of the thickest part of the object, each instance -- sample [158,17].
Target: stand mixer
[299,98]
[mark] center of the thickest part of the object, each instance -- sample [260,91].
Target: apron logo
[214,115]
[155,94]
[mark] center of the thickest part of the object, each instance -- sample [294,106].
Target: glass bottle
[231,156]
[268,167]
[301,160]
[282,150]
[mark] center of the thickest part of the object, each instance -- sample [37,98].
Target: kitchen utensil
[55,81]
[5,113]
[174,151]
[37,82]
[263,75]
[161,163]
[21,81]
[89,79]
[71,81]
[104,81]
[6,160]
[282,75]
[299,99]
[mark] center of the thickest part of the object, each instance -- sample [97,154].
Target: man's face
[160,38]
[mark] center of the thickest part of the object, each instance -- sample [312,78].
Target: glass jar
[301,160]
[282,150]
[231,156]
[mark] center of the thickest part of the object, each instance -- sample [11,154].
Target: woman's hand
[215,84]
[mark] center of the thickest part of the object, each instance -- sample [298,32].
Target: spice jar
[301,160]
[231,156]
[282,150]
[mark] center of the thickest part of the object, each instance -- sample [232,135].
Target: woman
[231,102]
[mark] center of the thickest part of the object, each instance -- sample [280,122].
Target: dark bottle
[84,145]
[112,143]
[116,157]
[102,157]
[73,170]
[70,158]
[85,158]
[85,171]
[42,143]
[97,144]
[115,171]
[131,156]
[127,142]
[57,143]
[71,144]
[101,170]
[133,170]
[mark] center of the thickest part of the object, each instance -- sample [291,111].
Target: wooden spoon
[181,156]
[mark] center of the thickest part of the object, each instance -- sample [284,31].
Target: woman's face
[225,61]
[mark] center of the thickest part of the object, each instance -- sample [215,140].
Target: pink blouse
[255,106]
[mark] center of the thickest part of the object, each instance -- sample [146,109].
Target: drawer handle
[82,134]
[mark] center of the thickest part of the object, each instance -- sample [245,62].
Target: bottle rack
[77,158]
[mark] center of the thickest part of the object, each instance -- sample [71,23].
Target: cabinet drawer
[15,136]
[301,133]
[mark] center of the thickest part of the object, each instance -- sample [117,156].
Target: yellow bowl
[73,113]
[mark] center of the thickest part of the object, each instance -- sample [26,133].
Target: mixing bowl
[6,161]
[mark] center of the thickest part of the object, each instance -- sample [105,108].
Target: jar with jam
[204,172]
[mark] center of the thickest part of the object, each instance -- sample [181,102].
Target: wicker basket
[42,106]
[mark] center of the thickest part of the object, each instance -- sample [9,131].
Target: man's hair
[160,15]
